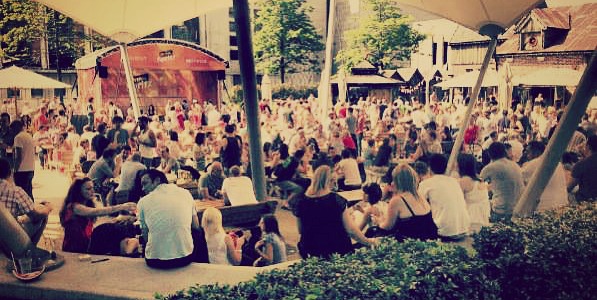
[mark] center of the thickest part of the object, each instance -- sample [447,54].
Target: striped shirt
[15,199]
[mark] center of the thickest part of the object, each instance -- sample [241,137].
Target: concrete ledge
[120,278]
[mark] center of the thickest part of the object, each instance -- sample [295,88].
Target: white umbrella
[266,87]
[342,87]
[505,86]
[18,78]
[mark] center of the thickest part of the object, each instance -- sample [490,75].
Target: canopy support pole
[324,91]
[247,71]
[471,104]
[124,56]
[559,142]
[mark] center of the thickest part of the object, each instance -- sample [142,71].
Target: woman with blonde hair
[409,216]
[324,222]
[220,247]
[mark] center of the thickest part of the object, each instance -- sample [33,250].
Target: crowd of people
[396,152]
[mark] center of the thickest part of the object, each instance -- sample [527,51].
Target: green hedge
[281,91]
[549,256]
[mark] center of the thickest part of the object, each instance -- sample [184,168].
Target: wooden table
[201,205]
[353,197]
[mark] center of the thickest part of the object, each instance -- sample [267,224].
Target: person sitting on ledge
[169,224]
[33,217]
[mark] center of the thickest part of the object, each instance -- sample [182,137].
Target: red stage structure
[162,69]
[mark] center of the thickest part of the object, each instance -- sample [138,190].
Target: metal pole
[56,41]
[128,72]
[471,104]
[559,142]
[247,71]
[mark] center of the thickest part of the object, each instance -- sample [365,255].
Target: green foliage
[383,38]
[281,91]
[549,256]
[285,91]
[410,270]
[25,22]
[285,39]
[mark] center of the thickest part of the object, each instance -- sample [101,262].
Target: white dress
[477,203]
[216,248]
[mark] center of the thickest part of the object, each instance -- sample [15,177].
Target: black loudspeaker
[221,75]
[102,71]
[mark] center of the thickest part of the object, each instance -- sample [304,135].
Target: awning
[468,80]
[367,79]
[127,20]
[549,77]
[17,78]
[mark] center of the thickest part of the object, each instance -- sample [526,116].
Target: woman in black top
[409,216]
[231,148]
[384,154]
[324,222]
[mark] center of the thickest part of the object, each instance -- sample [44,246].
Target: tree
[24,24]
[383,38]
[285,39]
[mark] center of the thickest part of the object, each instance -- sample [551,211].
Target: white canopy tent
[468,79]
[18,78]
[549,77]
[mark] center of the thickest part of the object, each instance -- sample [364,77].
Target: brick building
[547,39]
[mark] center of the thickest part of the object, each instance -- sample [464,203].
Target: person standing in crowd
[505,182]
[323,220]
[117,134]
[446,198]
[169,224]
[90,113]
[147,142]
[100,142]
[33,217]
[583,174]
[24,158]
[231,148]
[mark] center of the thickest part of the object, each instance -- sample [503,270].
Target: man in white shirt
[555,194]
[24,157]
[348,172]
[237,189]
[168,218]
[446,198]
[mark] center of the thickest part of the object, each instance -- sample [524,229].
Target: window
[236,80]
[231,12]
[12,93]
[445,58]
[59,92]
[232,26]
[37,93]
[233,54]
[157,35]
[434,51]
[233,41]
